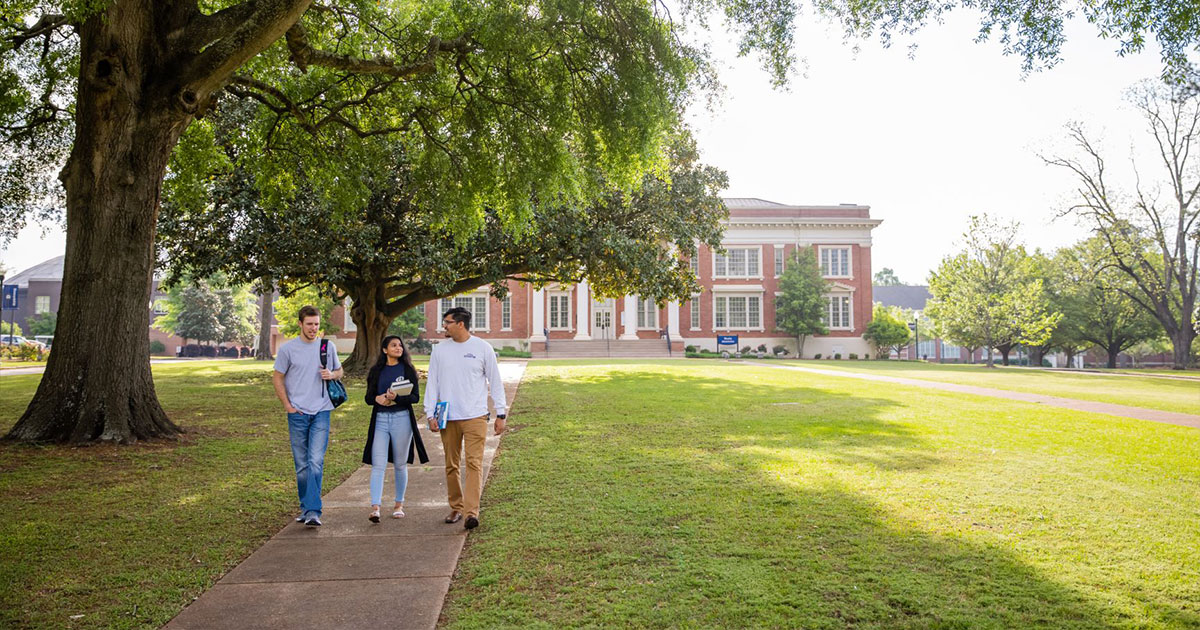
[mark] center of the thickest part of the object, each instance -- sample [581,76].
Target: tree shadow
[657,516]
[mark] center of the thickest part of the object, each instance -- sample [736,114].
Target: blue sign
[727,340]
[10,297]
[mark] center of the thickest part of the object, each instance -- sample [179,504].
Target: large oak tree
[108,87]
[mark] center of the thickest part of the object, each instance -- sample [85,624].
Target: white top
[461,374]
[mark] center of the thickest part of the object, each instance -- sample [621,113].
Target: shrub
[762,347]
[838,356]
[513,352]
[817,355]
[747,349]
[157,346]
[420,345]
[779,350]
[691,349]
[27,352]
[853,356]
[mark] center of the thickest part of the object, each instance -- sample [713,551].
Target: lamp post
[916,353]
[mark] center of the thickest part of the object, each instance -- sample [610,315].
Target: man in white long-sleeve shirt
[462,373]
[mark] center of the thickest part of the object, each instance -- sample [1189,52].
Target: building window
[159,305]
[837,312]
[476,304]
[694,265]
[421,310]
[560,311]
[778,260]
[647,314]
[506,313]
[695,312]
[927,348]
[950,351]
[41,304]
[737,312]
[737,262]
[835,262]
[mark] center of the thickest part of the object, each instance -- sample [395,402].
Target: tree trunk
[1004,355]
[266,315]
[97,384]
[1070,357]
[1181,345]
[371,324]
[1112,351]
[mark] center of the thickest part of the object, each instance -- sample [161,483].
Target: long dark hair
[381,362]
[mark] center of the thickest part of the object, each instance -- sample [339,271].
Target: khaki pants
[464,494]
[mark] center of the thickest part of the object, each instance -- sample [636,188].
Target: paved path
[1141,413]
[351,573]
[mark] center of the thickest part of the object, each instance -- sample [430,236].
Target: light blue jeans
[309,434]
[392,428]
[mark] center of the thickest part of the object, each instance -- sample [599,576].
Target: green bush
[690,348]
[157,347]
[817,355]
[779,350]
[513,353]
[838,356]
[853,356]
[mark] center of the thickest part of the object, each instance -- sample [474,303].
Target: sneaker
[300,518]
[312,521]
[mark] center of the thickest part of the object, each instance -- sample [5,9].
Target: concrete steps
[598,348]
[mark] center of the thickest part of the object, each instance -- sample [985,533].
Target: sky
[926,137]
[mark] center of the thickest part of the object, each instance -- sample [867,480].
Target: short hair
[460,315]
[308,310]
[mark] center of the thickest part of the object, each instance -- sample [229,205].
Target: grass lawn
[1167,394]
[127,536]
[704,494]
[12,364]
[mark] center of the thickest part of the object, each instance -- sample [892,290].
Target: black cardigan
[402,402]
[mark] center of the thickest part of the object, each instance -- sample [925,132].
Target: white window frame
[821,249]
[38,309]
[828,319]
[446,304]
[421,310]
[694,264]
[758,254]
[646,310]
[723,298]
[158,305]
[694,312]
[566,316]
[506,313]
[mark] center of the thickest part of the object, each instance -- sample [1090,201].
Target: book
[440,413]
[401,387]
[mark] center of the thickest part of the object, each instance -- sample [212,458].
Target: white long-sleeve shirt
[461,374]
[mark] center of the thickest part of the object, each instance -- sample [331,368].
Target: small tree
[800,307]
[886,331]
[287,306]
[887,278]
[989,295]
[193,312]
[407,325]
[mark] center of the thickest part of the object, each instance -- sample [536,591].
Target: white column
[539,315]
[673,320]
[630,318]
[582,296]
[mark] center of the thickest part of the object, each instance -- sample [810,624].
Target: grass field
[704,494]
[1152,392]
[127,536]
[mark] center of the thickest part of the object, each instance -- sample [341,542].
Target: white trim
[737,287]
[776,263]
[550,295]
[653,310]
[507,298]
[747,294]
[849,308]
[849,260]
[757,247]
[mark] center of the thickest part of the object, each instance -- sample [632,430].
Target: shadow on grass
[660,500]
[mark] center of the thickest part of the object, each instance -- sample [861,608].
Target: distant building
[914,298]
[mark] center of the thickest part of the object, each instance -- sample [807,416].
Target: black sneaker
[312,522]
[471,523]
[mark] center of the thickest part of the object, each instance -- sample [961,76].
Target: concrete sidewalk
[352,573]
[1141,413]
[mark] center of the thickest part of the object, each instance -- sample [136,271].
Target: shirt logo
[469,356]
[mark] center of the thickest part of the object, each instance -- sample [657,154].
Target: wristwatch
[501,416]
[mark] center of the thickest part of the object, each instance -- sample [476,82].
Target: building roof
[750,202]
[46,270]
[905,296]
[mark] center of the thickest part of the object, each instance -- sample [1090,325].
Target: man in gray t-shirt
[299,381]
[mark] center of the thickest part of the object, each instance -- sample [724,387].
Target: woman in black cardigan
[393,429]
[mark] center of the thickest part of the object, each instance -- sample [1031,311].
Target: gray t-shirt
[300,364]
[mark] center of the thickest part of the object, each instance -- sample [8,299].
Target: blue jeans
[309,435]
[392,428]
